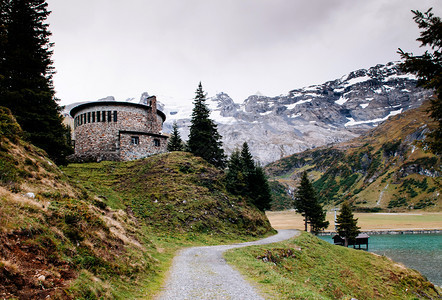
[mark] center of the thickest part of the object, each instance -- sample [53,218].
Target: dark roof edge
[79,107]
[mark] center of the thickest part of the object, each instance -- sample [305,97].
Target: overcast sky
[166,47]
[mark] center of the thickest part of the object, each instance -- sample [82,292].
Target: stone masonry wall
[93,137]
[147,145]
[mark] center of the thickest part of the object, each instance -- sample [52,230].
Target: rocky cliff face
[309,117]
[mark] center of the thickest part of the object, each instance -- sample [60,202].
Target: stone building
[113,130]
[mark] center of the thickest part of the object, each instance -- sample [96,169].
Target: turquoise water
[422,252]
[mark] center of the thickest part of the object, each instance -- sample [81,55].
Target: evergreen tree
[204,139]
[317,218]
[175,143]
[428,68]
[26,75]
[235,179]
[259,188]
[247,162]
[245,177]
[347,224]
[307,204]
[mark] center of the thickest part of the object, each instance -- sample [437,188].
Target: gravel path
[202,273]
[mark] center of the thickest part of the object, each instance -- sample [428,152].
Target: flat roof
[79,107]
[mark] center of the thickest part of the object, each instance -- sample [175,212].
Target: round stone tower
[112,130]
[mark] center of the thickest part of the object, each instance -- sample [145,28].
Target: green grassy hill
[385,169]
[172,192]
[106,230]
[309,268]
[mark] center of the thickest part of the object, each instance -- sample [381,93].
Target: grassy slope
[309,268]
[111,229]
[172,192]
[384,169]
[61,241]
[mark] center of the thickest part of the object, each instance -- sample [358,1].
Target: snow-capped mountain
[308,117]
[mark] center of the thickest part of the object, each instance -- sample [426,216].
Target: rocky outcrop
[305,118]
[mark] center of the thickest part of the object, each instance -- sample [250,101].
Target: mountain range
[304,118]
[309,117]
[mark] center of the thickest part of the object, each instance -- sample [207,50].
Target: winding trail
[203,273]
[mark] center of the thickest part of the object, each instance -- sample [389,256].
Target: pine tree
[175,142]
[317,218]
[307,204]
[428,68]
[347,224]
[26,76]
[245,177]
[260,189]
[247,162]
[204,139]
[235,179]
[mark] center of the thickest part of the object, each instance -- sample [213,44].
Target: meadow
[289,219]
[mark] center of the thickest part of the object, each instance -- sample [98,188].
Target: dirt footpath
[202,273]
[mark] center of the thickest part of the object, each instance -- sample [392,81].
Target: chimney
[152,102]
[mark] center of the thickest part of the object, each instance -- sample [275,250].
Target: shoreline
[390,231]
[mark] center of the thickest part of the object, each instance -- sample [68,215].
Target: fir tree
[26,75]
[204,139]
[260,189]
[235,179]
[247,162]
[428,68]
[347,224]
[245,177]
[317,218]
[307,204]
[175,143]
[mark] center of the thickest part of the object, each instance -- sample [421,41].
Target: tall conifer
[204,139]
[307,203]
[245,177]
[346,224]
[428,68]
[260,189]
[235,179]
[248,164]
[26,75]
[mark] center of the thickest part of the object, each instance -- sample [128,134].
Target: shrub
[9,127]
[8,172]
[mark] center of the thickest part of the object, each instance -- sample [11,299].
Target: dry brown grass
[289,219]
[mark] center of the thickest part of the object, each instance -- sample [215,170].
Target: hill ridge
[386,168]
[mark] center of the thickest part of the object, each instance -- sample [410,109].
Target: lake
[422,252]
